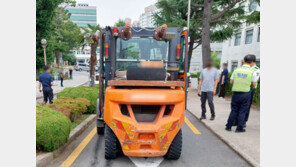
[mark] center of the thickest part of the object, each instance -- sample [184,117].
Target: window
[258,38]
[129,53]
[237,39]
[233,66]
[249,36]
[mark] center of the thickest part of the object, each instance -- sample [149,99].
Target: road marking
[146,162]
[78,149]
[192,127]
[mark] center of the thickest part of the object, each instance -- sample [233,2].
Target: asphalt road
[200,149]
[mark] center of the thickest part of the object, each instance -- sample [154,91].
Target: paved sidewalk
[79,78]
[246,144]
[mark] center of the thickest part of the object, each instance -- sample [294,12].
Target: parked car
[82,67]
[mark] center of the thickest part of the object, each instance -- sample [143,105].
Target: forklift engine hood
[145,121]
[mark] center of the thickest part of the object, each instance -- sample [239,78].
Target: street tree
[210,20]
[65,36]
[91,36]
[44,28]
[119,23]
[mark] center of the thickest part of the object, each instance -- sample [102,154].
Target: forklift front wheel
[175,149]
[111,144]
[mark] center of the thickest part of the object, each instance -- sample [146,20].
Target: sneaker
[203,117]
[228,129]
[240,130]
[212,117]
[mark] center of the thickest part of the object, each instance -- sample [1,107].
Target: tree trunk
[190,50]
[206,48]
[93,61]
[58,55]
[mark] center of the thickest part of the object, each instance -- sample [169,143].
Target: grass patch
[79,120]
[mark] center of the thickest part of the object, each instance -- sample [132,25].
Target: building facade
[245,41]
[83,14]
[146,18]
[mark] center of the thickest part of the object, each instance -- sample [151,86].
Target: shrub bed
[72,108]
[52,129]
[90,93]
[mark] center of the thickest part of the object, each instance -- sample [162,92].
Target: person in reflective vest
[243,78]
[253,89]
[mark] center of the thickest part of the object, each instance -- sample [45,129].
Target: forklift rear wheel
[112,144]
[175,149]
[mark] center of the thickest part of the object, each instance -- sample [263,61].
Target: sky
[109,11]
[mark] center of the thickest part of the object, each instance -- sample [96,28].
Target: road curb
[54,94]
[230,145]
[44,159]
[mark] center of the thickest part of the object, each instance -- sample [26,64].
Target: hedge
[90,93]
[52,129]
[72,108]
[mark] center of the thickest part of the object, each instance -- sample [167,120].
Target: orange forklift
[142,89]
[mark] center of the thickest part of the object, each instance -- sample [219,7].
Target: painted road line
[192,127]
[78,149]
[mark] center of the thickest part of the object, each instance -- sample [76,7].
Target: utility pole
[186,60]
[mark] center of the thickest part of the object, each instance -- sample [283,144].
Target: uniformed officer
[242,79]
[46,80]
[257,72]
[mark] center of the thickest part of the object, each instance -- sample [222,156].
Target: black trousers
[47,95]
[62,79]
[222,90]
[204,97]
[251,100]
[240,103]
[217,89]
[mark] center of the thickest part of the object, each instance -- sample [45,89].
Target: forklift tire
[111,144]
[175,149]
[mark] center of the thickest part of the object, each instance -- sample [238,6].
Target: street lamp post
[44,42]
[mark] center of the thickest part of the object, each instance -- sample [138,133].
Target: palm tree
[91,36]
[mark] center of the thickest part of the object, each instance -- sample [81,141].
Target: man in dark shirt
[46,80]
[223,80]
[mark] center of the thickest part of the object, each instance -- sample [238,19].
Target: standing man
[257,73]
[207,87]
[46,80]
[219,84]
[242,79]
[62,78]
[223,80]
[71,71]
